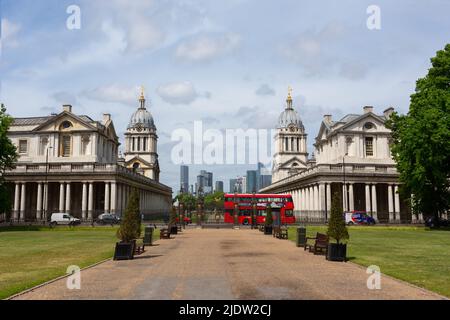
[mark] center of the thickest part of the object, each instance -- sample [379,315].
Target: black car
[107,218]
[433,222]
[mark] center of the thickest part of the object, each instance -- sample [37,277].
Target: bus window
[288,213]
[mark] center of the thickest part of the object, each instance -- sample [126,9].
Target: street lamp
[236,208]
[46,187]
[254,215]
[199,206]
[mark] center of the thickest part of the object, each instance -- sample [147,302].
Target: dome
[289,117]
[143,118]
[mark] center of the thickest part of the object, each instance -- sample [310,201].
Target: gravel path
[227,264]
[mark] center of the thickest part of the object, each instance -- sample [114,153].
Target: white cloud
[9,30]
[207,47]
[113,93]
[265,90]
[178,92]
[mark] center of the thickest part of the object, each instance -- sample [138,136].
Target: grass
[414,254]
[30,256]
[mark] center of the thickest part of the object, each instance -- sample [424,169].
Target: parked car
[358,218]
[64,219]
[107,218]
[433,222]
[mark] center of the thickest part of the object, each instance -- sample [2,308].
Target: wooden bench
[280,232]
[164,234]
[139,247]
[320,243]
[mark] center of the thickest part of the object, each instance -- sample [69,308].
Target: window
[369,146]
[43,145]
[369,125]
[23,146]
[133,144]
[66,146]
[298,144]
[292,144]
[85,144]
[65,125]
[144,147]
[138,144]
[286,147]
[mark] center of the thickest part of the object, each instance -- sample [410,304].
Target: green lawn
[32,255]
[414,254]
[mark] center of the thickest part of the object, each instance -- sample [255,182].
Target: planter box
[337,252]
[268,230]
[124,250]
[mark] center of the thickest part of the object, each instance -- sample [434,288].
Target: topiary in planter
[269,221]
[129,230]
[338,231]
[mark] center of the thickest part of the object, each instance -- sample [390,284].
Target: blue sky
[228,63]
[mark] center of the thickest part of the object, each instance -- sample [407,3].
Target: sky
[225,63]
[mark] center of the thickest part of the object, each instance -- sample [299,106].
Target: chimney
[106,117]
[368,109]
[327,118]
[67,108]
[388,112]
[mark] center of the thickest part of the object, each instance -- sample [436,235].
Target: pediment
[290,164]
[358,123]
[54,123]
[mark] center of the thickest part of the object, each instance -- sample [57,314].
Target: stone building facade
[68,163]
[351,160]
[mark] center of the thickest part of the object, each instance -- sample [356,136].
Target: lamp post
[236,208]
[254,215]
[344,191]
[199,206]
[46,186]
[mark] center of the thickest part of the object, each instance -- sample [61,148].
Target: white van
[64,219]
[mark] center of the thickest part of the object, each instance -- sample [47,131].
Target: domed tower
[290,142]
[141,142]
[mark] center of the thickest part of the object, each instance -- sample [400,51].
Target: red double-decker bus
[281,203]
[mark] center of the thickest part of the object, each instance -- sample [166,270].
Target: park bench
[320,243]
[164,234]
[280,232]
[139,246]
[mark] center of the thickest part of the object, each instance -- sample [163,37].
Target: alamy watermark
[374,280]
[218,147]
[374,19]
[74,279]
[73,22]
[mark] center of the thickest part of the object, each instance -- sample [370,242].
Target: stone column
[351,197]
[322,200]
[368,206]
[344,197]
[23,202]
[316,200]
[91,201]
[61,197]
[374,202]
[119,199]
[328,210]
[107,197]
[113,197]
[68,198]
[397,203]
[84,202]
[390,204]
[39,202]
[45,201]
[16,202]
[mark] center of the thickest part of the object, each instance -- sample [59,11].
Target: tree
[336,225]
[8,155]
[269,216]
[421,140]
[214,200]
[130,228]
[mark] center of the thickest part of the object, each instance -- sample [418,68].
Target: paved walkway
[227,264]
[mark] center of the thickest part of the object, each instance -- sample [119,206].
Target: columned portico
[61,197]
[391,203]
[39,202]
[22,202]
[374,202]
[68,193]
[397,203]
[84,201]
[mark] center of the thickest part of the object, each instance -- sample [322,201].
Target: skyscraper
[204,180]
[251,181]
[233,183]
[219,186]
[184,178]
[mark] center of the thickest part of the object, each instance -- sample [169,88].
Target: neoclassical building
[352,160]
[69,163]
[290,144]
[141,143]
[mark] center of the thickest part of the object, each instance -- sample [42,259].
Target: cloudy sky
[226,63]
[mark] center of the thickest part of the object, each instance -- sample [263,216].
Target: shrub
[336,225]
[269,217]
[130,228]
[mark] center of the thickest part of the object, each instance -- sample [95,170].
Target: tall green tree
[8,155]
[421,140]
[336,224]
[130,228]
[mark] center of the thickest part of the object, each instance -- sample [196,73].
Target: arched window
[65,125]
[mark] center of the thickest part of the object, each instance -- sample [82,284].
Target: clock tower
[141,142]
[290,142]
